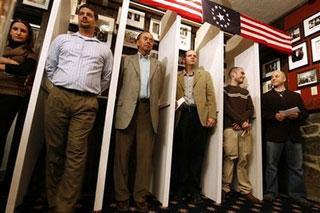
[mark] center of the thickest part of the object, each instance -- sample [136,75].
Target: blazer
[277,131]
[129,88]
[203,92]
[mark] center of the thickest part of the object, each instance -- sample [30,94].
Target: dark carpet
[234,202]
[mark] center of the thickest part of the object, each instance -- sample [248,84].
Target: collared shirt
[144,62]
[188,92]
[79,62]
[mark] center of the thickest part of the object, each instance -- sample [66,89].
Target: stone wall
[311,148]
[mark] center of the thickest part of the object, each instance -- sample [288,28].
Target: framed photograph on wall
[307,78]
[105,29]
[299,56]
[266,86]
[130,37]
[155,28]
[315,49]
[311,24]
[135,18]
[295,34]
[154,54]
[42,4]
[269,67]
[185,37]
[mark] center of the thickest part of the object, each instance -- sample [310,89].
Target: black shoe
[123,206]
[142,206]
[303,202]
[196,198]
[269,197]
[251,198]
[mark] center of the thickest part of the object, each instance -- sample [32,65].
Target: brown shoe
[142,206]
[123,205]
[251,198]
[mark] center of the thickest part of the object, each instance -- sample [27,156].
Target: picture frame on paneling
[299,56]
[185,37]
[105,27]
[135,18]
[269,67]
[42,4]
[155,28]
[295,34]
[130,37]
[311,24]
[154,54]
[315,49]
[266,86]
[307,78]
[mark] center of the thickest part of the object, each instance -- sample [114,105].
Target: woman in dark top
[17,68]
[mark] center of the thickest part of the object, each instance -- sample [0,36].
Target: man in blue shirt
[79,67]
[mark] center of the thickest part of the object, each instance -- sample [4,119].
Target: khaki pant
[69,117]
[239,147]
[140,130]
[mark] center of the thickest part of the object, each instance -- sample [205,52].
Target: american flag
[189,9]
[233,22]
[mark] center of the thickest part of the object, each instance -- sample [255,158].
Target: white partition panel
[168,54]
[249,60]
[211,58]
[104,153]
[33,135]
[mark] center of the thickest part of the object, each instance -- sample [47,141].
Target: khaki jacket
[203,92]
[129,88]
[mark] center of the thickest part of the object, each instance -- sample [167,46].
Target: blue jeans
[294,157]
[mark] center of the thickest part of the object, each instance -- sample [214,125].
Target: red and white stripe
[265,34]
[190,9]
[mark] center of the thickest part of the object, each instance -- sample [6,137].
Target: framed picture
[185,37]
[130,37]
[299,56]
[135,18]
[266,86]
[295,34]
[42,4]
[154,54]
[315,49]
[155,28]
[311,24]
[105,29]
[269,67]
[307,78]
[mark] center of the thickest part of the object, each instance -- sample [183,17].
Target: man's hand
[4,60]
[245,125]
[236,127]
[280,116]
[211,122]
[293,115]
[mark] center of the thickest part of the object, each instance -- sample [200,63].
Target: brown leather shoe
[251,198]
[123,205]
[142,207]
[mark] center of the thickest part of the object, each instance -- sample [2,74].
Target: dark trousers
[190,140]
[10,105]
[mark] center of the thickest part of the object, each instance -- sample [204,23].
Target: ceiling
[266,11]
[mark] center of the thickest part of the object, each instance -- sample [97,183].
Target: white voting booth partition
[33,135]
[244,53]
[209,45]
[104,153]
[168,55]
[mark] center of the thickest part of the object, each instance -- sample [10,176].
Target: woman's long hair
[29,41]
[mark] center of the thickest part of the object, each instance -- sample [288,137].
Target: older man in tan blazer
[137,115]
[195,117]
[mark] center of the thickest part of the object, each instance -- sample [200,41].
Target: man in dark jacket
[283,112]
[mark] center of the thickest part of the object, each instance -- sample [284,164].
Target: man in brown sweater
[238,111]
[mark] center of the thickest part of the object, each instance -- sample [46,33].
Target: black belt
[144,100]
[78,92]
[189,108]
